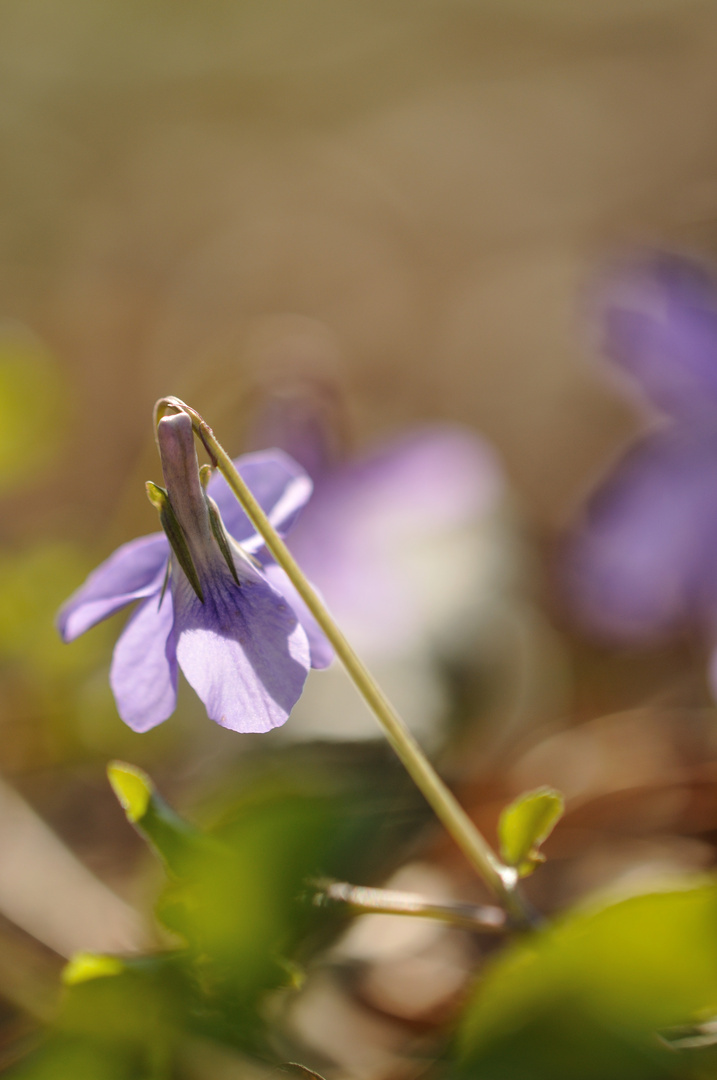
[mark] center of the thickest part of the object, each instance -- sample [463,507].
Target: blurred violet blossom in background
[642,560]
[388,537]
[409,549]
[239,631]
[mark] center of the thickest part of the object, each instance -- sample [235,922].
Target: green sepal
[165,583]
[174,533]
[174,840]
[220,536]
[525,824]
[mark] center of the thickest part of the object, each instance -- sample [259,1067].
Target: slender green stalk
[501,879]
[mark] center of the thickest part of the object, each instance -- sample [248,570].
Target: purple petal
[242,650]
[371,523]
[280,486]
[321,652]
[129,574]
[143,675]
[642,560]
[660,325]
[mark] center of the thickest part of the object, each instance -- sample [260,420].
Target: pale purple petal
[129,574]
[143,675]
[659,319]
[277,482]
[321,652]
[243,651]
[642,560]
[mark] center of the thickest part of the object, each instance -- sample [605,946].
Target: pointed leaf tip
[172,838]
[525,824]
[84,966]
[133,788]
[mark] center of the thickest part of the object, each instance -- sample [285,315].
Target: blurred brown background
[411,195]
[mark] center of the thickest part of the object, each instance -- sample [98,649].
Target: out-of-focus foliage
[589,996]
[33,408]
[242,919]
[30,583]
[48,688]
[119,1021]
[43,684]
[241,897]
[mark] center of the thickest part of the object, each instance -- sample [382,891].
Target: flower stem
[501,879]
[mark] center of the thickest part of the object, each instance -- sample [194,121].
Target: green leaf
[113,1000]
[80,1059]
[526,824]
[239,895]
[238,907]
[588,996]
[174,839]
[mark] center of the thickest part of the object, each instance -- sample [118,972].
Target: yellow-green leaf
[525,824]
[172,838]
[589,996]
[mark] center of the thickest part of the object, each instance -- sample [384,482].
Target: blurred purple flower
[238,630]
[390,538]
[643,558]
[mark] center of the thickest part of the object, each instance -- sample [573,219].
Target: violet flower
[643,559]
[237,629]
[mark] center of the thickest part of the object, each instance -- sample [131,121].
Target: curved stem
[501,879]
